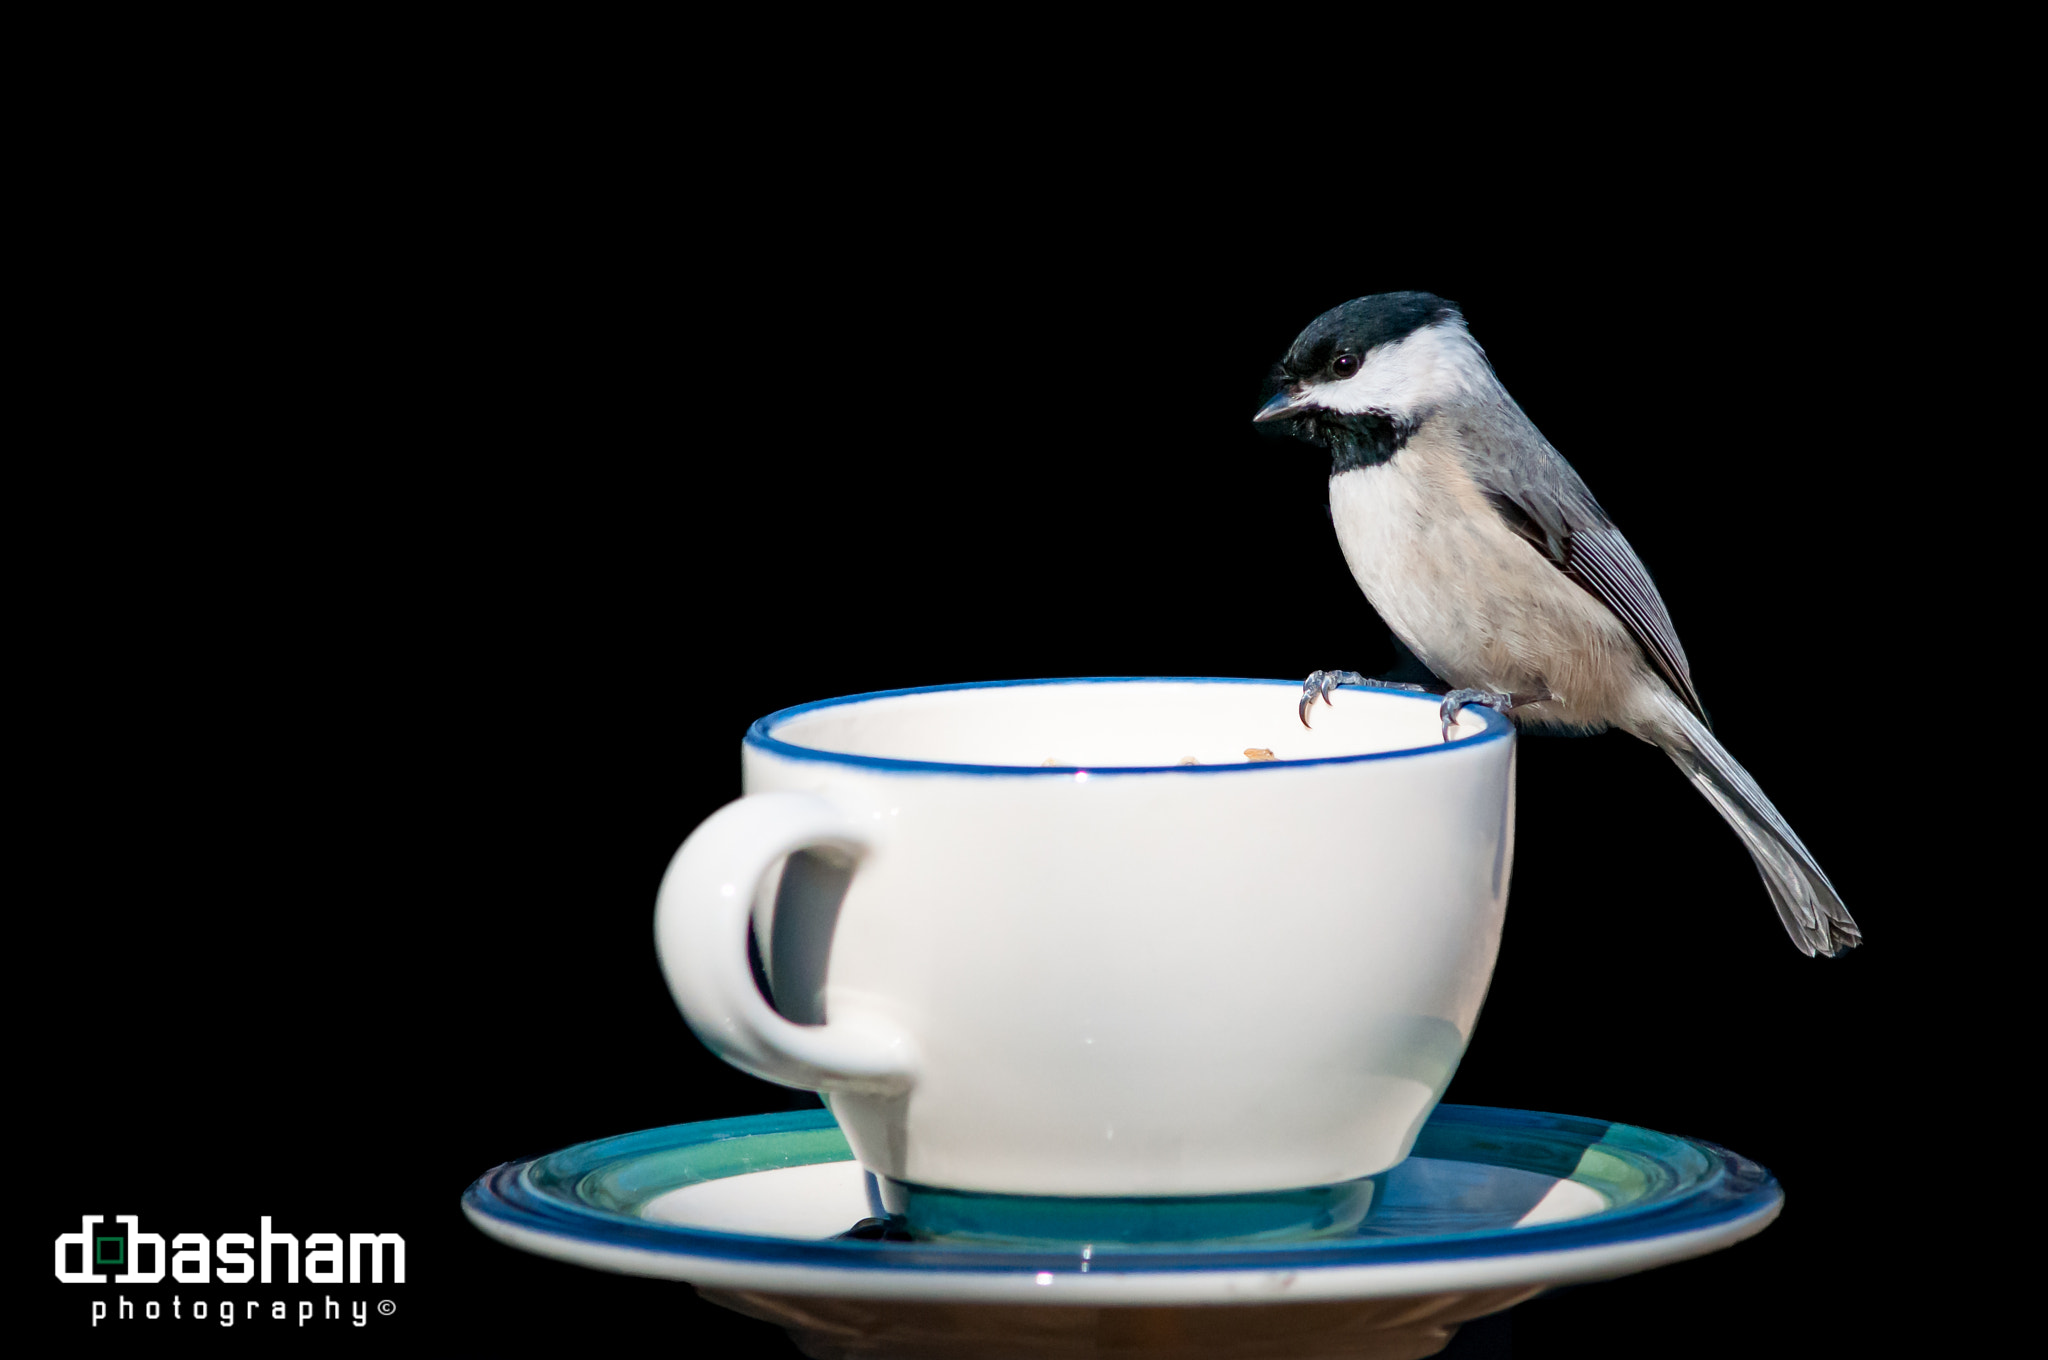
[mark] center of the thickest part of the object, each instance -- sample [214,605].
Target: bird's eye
[1345,364]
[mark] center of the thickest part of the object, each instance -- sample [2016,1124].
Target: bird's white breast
[1476,602]
[1390,525]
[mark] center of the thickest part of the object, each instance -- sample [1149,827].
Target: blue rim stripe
[1732,1188]
[761,735]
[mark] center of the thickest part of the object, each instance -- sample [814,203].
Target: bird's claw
[1503,704]
[1319,685]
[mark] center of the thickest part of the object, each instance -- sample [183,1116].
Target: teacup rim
[761,736]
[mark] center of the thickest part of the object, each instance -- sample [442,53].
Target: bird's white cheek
[1433,366]
[1365,391]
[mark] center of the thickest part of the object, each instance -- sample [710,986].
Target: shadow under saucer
[1341,1329]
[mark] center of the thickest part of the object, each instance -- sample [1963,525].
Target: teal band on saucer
[1271,1217]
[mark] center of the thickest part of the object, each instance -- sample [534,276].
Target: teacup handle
[701,919]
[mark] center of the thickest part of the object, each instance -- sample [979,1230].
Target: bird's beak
[1284,404]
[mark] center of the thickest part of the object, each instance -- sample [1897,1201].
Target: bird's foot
[1319,685]
[1503,704]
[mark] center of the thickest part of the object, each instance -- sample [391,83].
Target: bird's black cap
[1361,324]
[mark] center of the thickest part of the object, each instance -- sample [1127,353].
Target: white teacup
[1066,963]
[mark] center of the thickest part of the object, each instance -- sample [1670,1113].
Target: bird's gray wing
[1543,498]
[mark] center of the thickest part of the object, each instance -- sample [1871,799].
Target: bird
[1492,564]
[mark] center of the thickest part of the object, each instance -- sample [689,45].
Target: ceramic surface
[1028,952]
[1494,1207]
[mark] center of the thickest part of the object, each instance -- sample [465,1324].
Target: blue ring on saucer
[761,734]
[1665,1184]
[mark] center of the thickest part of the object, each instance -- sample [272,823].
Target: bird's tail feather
[1807,903]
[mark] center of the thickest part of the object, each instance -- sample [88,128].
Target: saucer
[1492,1207]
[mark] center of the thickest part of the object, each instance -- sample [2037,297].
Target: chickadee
[1491,561]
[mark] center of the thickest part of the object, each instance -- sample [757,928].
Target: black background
[416,535]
